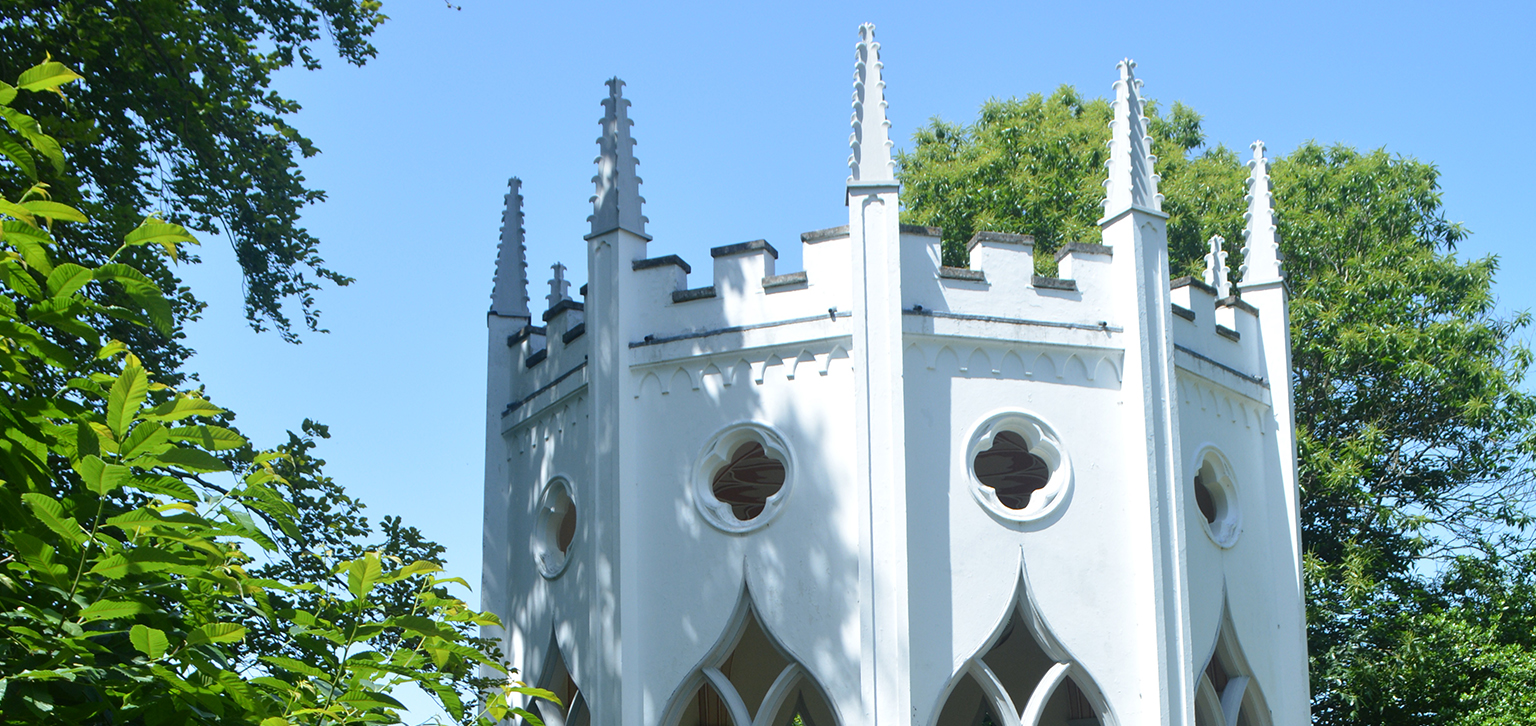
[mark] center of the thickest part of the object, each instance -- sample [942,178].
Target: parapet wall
[999,296]
[998,292]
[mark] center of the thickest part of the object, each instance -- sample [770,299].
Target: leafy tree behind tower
[1413,427]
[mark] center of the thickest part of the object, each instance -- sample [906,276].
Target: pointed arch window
[1227,694]
[1015,681]
[556,677]
[753,682]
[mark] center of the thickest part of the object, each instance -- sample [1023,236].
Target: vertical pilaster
[508,314]
[1263,286]
[617,239]
[1135,226]
[874,229]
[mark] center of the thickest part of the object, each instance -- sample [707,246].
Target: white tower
[885,491]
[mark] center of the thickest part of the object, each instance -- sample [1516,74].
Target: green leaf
[422,625]
[113,347]
[51,513]
[125,398]
[24,124]
[536,693]
[7,93]
[49,148]
[362,574]
[165,234]
[38,555]
[367,700]
[181,407]
[207,436]
[87,443]
[46,76]
[448,696]
[12,209]
[275,720]
[194,460]
[18,154]
[31,241]
[158,308]
[131,279]
[529,716]
[419,567]
[295,666]
[54,210]
[29,129]
[66,279]
[149,641]
[167,485]
[101,477]
[216,633]
[149,437]
[111,610]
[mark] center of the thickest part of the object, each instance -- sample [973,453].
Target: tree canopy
[157,568]
[1414,429]
[179,114]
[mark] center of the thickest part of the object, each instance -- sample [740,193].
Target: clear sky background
[741,114]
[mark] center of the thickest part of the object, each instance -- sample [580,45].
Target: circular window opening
[1019,470]
[742,478]
[1206,499]
[556,528]
[1216,498]
[1011,470]
[567,530]
[747,482]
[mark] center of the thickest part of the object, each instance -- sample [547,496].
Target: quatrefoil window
[1018,468]
[742,478]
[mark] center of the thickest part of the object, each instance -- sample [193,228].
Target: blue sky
[741,113]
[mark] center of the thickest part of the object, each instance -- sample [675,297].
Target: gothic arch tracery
[1022,676]
[1226,693]
[556,677]
[749,679]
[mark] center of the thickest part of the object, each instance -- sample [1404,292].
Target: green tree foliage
[1414,433]
[180,115]
[157,569]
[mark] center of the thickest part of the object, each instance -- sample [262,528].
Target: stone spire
[871,159]
[617,202]
[1261,251]
[559,289]
[509,292]
[1217,274]
[1132,181]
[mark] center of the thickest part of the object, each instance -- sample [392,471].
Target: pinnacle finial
[1217,274]
[559,289]
[617,201]
[871,159]
[1132,178]
[509,290]
[1261,251]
